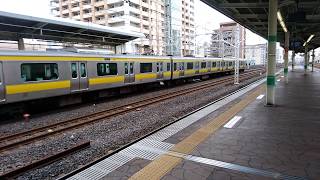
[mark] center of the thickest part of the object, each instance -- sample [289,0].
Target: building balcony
[75,9]
[145,13]
[135,29]
[87,15]
[101,22]
[99,13]
[116,19]
[78,17]
[86,6]
[113,1]
[134,19]
[66,11]
[100,3]
[145,31]
[116,9]
[65,3]
[145,22]
[134,10]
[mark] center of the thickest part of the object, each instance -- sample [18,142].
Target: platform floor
[281,142]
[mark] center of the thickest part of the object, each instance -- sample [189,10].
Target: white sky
[206,18]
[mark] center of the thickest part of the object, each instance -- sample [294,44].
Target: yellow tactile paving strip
[165,163]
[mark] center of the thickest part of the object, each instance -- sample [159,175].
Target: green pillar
[272,40]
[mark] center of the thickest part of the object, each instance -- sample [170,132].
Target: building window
[189,65]
[145,67]
[39,71]
[105,69]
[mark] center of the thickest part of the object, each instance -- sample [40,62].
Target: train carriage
[35,75]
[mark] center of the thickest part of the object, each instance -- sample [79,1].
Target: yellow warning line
[165,163]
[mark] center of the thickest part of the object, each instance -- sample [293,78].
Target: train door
[181,68]
[159,70]
[197,68]
[129,72]
[2,93]
[79,76]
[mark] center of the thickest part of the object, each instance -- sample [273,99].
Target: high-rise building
[224,40]
[145,16]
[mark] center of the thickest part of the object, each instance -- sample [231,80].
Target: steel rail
[83,167]
[44,161]
[26,137]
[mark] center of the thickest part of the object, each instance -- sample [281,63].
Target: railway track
[44,161]
[26,137]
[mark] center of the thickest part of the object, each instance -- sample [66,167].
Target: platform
[236,137]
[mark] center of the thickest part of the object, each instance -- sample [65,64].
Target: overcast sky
[206,18]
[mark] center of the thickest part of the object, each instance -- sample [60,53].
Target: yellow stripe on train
[203,70]
[49,58]
[106,80]
[189,72]
[146,76]
[35,87]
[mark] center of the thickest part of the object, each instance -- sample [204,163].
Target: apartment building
[224,40]
[146,16]
[188,28]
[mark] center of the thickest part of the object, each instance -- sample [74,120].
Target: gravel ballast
[105,135]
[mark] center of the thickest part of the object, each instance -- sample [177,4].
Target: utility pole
[237,56]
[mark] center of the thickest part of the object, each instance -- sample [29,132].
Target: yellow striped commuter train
[26,76]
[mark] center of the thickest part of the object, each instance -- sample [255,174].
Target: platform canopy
[302,18]
[16,26]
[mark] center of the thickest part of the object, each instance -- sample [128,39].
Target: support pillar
[272,40]
[21,44]
[293,56]
[305,59]
[286,56]
[312,59]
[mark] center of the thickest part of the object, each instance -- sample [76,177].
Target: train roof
[76,54]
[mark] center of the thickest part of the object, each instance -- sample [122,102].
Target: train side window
[174,66]
[168,66]
[83,70]
[190,65]
[39,71]
[145,67]
[131,68]
[230,63]
[214,64]
[161,66]
[74,72]
[181,66]
[203,65]
[197,65]
[126,68]
[105,69]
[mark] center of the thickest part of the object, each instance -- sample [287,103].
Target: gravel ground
[104,135]
[63,114]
